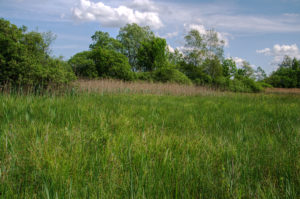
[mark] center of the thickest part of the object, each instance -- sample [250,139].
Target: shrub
[145,76]
[221,82]
[265,85]
[254,86]
[111,64]
[171,75]
[244,85]
[83,65]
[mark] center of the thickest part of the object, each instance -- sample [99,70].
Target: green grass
[147,146]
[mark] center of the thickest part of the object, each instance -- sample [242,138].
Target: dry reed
[283,90]
[117,86]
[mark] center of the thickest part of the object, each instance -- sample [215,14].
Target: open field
[120,145]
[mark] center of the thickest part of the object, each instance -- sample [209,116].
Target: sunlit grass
[97,145]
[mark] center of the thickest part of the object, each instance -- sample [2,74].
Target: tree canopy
[25,58]
[136,53]
[287,75]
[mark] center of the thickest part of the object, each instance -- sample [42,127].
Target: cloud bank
[279,51]
[108,16]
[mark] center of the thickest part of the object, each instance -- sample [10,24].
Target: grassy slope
[146,146]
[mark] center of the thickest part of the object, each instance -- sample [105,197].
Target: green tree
[214,46]
[131,37]
[200,47]
[152,54]
[246,70]
[229,68]
[195,48]
[295,64]
[175,58]
[103,40]
[111,64]
[260,74]
[287,75]
[286,63]
[25,58]
[213,67]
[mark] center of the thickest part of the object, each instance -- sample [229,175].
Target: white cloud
[279,51]
[291,14]
[171,49]
[144,6]
[170,35]
[238,61]
[115,17]
[201,28]
[250,24]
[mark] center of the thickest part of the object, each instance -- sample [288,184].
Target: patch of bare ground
[117,86]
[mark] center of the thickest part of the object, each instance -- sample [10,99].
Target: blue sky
[258,31]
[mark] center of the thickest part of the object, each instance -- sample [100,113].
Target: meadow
[123,144]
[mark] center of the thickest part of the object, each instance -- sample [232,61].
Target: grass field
[125,145]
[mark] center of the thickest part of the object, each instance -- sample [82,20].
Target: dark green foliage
[111,64]
[25,59]
[152,54]
[171,75]
[195,73]
[287,75]
[83,65]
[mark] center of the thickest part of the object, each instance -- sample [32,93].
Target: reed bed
[283,90]
[117,86]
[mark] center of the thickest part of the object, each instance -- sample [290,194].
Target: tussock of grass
[94,145]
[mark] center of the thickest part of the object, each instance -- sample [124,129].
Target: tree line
[135,54]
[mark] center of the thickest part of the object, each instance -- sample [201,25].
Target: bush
[254,86]
[83,65]
[171,75]
[221,82]
[145,76]
[111,64]
[265,85]
[244,85]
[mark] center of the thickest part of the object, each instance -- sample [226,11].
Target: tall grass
[118,86]
[93,145]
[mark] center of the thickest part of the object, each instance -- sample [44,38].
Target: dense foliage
[287,75]
[201,61]
[135,54]
[25,58]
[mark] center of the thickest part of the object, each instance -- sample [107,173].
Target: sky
[261,32]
